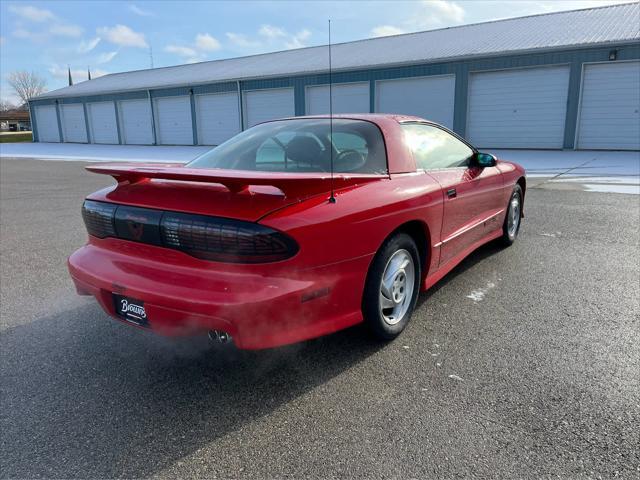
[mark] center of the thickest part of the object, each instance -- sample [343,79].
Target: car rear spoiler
[236,181]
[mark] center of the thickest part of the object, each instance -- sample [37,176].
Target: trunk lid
[243,195]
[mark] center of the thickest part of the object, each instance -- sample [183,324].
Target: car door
[471,194]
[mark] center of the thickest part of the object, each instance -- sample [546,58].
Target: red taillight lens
[208,238]
[225,240]
[98,218]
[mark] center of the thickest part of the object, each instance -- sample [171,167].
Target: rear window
[302,145]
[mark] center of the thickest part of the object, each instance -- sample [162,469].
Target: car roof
[371,117]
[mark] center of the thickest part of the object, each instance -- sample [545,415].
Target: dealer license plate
[131,310]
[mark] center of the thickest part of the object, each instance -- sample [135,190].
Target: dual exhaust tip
[219,336]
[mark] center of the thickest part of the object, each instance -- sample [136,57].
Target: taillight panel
[138,224]
[99,218]
[208,238]
[225,240]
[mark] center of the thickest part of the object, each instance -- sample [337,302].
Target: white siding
[523,108]
[47,123]
[263,105]
[347,98]
[218,117]
[173,121]
[102,122]
[610,107]
[74,128]
[431,98]
[135,122]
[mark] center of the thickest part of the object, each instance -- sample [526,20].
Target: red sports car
[255,240]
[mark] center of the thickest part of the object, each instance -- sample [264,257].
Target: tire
[398,259]
[513,218]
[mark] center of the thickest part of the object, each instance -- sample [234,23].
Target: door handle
[451,193]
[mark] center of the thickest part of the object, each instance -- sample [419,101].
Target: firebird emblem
[135,229]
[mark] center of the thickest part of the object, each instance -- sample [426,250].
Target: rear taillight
[208,238]
[225,240]
[98,218]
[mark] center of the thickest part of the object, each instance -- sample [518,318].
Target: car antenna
[332,198]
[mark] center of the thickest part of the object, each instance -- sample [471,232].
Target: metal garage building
[562,80]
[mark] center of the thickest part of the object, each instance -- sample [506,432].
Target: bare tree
[6,106]
[26,84]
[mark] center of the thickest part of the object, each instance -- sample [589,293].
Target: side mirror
[485,160]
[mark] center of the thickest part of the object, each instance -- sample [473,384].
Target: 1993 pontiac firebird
[248,241]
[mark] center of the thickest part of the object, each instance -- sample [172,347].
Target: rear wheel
[511,225]
[392,287]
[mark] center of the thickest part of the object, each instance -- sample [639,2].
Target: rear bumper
[185,296]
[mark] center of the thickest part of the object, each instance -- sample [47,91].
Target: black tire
[373,316]
[509,235]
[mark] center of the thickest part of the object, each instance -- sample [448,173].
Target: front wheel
[511,225]
[392,287]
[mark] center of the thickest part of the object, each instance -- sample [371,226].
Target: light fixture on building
[613,54]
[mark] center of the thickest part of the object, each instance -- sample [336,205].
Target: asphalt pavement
[522,363]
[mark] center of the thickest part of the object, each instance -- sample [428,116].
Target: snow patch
[595,171]
[100,153]
[593,187]
[478,295]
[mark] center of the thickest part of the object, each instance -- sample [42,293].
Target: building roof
[20,115]
[587,27]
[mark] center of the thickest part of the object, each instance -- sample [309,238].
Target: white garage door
[263,105]
[217,117]
[102,122]
[173,121]
[135,122]
[347,98]
[431,98]
[522,108]
[74,129]
[47,123]
[610,107]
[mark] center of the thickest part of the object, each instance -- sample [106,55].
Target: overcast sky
[114,36]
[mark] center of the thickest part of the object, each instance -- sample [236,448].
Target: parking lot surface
[523,362]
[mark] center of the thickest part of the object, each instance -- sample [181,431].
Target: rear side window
[302,145]
[433,148]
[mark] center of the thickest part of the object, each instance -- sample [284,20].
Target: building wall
[575,58]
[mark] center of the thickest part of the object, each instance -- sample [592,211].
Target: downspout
[153,119]
[240,106]
[117,110]
[59,119]
[194,121]
[86,123]
[34,127]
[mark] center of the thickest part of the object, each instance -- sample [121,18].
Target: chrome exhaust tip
[219,336]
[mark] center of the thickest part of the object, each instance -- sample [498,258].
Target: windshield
[302,145]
